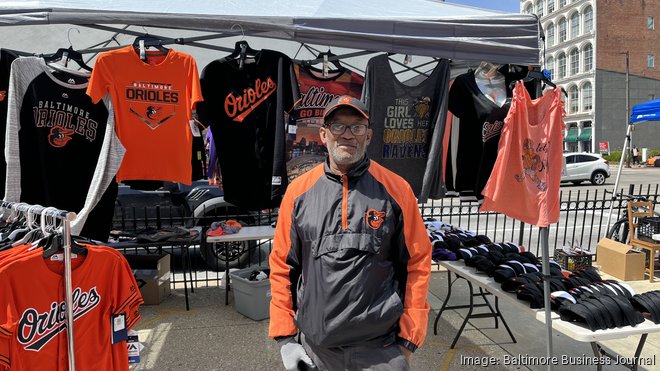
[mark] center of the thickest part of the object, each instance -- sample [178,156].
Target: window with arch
[550,66]
[562,3]
[561,66]
[538,8]
[588,19]
[575,25]
[529,9]
[550,35]
[573,101]
[551,6]
[587,97]
[588,57]
[575,61]
[562,30]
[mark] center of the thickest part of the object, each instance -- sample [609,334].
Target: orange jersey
[33,335]
[153,105]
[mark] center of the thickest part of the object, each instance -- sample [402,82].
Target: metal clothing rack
[66,217]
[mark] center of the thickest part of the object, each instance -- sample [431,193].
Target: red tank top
[524,183]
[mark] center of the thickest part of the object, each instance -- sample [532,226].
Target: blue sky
[511,6]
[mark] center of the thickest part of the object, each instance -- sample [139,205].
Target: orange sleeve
[100,81]
[281,303]
[413,321]
[127,298]
[8,320]
[196,90]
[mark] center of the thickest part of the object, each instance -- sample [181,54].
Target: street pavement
[212,336]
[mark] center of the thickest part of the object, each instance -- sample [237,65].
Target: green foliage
[614,156]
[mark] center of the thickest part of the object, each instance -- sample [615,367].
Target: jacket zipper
[344,203]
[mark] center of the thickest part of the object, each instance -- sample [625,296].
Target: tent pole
[545,259]
[618,175]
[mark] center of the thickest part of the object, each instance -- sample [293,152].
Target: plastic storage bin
[251,298]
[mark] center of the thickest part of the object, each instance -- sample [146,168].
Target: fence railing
[583,220]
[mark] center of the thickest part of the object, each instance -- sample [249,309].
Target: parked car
[582,167]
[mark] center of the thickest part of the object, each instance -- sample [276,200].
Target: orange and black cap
[346,101]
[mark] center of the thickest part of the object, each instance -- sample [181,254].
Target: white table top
[573,330]
[262,232]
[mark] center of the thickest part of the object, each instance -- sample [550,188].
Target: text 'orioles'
[243,104]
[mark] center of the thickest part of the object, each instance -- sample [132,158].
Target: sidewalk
[212,336]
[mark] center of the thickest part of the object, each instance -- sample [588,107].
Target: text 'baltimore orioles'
[152,92]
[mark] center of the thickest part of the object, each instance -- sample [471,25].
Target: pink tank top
[524,183]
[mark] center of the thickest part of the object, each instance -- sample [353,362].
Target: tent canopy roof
[417,27]
[647,111]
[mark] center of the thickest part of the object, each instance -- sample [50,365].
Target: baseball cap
[346,101]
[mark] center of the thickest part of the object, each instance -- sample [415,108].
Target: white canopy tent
[429,28]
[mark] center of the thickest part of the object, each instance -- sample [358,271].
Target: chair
[636,210]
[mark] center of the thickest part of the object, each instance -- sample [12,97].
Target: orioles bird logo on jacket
[59,136]
[374,218]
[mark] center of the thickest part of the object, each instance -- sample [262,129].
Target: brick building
[585,49]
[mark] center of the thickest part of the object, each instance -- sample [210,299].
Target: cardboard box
[620,260]
[152,273]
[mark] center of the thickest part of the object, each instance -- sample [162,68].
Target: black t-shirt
[481,123]
[6,57]
[245,109]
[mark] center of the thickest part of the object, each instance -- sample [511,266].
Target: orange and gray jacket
[351,260]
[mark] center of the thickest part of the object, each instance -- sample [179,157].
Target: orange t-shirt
[524,183]
[153,105]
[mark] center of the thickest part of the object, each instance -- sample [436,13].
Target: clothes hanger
[64,55]
[326,58]
[543,77]
[53,242]
[146,41]
[241,51]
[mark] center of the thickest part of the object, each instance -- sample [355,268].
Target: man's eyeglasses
[339,129]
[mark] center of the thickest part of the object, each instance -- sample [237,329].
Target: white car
[582,167]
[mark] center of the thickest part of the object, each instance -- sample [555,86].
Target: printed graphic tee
[525,180]
[408,124]
[32,320]
[305,149]
[481,123]
[6,58]
[246,111]
[153,107]
[61,148]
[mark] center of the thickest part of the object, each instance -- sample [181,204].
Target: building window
[529,9]
[650,24]
[561,66]
[562,30]
[551,6]
[539,8]
[588,57]
[650,61]
[550,66]
[651,96]
[562,3]
[587,97]
[575,61]
[575,25]
[573,101]
[588,19]
[550,37]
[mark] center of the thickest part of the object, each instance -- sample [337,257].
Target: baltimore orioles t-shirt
[246,108]
[153,104]
[61,148]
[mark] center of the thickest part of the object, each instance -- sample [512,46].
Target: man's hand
[407,353]
[293,354]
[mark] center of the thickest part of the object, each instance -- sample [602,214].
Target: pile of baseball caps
[579,296]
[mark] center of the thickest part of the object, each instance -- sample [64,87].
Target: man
[351,261]
[635,156]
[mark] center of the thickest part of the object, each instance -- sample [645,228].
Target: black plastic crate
[647,227]
[572,262]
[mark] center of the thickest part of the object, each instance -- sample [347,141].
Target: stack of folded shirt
[230,226]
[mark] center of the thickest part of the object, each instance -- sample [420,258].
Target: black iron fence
[583,222]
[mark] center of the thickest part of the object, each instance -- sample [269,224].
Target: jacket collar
[356,171]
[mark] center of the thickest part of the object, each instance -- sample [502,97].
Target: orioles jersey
[153,105]
[33,332]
